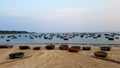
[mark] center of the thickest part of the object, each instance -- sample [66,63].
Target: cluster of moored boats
[64,36]
[101,53]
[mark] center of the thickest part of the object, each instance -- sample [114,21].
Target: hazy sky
[60,15]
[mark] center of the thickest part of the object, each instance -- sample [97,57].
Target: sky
[60,15]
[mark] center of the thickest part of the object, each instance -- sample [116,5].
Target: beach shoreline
[57,58]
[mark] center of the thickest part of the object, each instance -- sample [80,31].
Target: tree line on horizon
[13,32]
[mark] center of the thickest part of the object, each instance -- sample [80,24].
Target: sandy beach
[58,58]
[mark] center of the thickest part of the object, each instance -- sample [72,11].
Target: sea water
[31,39]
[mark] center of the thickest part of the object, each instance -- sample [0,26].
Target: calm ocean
[71,38]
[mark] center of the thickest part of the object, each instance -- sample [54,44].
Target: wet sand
[58,58]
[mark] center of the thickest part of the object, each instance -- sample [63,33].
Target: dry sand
[58,58]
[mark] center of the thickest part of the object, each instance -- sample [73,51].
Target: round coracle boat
[24,47]
[50,47]
[100,54]
[105,48]
[86,48]
[63,47]
[16,55]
